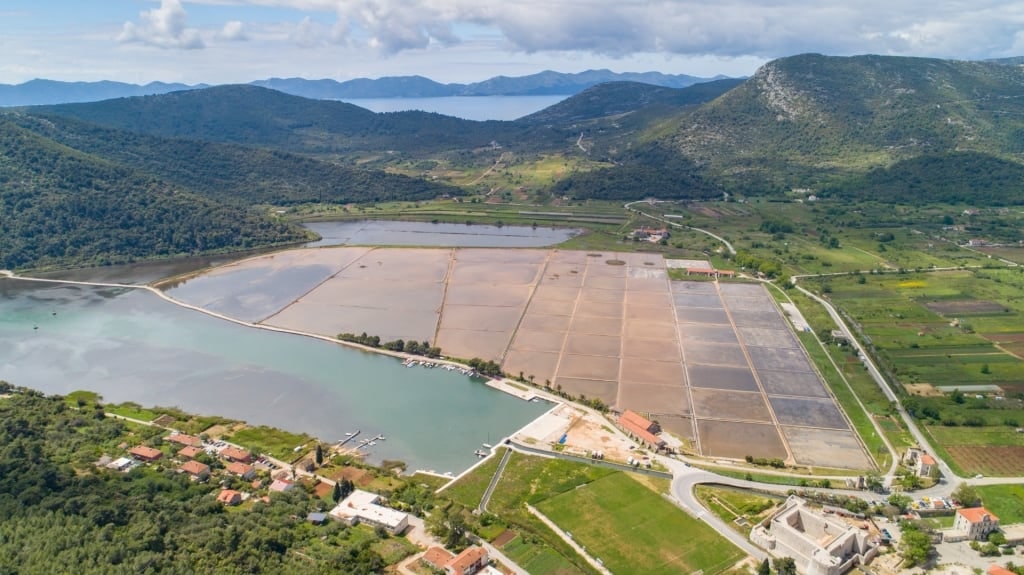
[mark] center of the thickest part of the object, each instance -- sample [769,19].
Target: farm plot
[633,530]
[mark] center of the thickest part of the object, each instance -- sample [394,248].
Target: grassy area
[469,490]
[132,411]
[82,399]
[1006,501]
[275,442]
[731,504]
[607,515]
[536,558]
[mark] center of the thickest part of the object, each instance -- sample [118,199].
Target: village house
[144,453]
[437,557]
[281,486]
[361,507]
[183,439]
[122,464]
[189,452]
[229,497]
[641,429]
[247,472]
[925,465]
[236,454]
[470,561]
[197,471]
[999,570]
[973,523]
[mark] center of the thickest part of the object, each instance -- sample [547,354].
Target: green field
[730,504]
[1006,501]
[633,530]
[275,442]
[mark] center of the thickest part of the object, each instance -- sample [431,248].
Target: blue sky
[220,41]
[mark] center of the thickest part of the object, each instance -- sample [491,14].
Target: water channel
[130,345]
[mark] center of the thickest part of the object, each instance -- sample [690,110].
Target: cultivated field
[607,515]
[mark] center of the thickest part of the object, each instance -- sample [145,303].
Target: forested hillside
[58,205]
[812,119]
[961,177]
[232,173]
[62,514]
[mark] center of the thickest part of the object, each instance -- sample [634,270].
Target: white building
[821,545]
[361,507]
[974,523]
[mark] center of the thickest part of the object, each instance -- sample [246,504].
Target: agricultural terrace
[607,515]
[940,331]
[631,509]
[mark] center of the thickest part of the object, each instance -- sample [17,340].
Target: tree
[784,565]
[763,568]
[319,455]
[336,493]
[900,501]
[966,495]
[873,482]
[916,545]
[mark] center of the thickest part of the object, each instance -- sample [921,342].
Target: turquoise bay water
[129,345]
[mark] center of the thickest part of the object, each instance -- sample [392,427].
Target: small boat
[348,433]
[480,453]
[488,446]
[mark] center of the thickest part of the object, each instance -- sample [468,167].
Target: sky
[228,41]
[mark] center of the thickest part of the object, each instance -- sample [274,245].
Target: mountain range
[887,129]
[41,92]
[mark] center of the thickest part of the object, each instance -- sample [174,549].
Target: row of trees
[411,347]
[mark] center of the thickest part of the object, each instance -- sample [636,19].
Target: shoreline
[501,385]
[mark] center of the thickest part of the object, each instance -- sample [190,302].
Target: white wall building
[821,545]
[361,507]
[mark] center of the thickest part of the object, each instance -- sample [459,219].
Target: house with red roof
[437,557]
[975,522]
[197,471]
[999,570]
[144,453]
[229,497]
[185,439]
[925,465]
[640,428]
[189,452]
[242,470]
[468,562]
[232,453]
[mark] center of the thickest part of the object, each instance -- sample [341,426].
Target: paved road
[494,480]
[725,242]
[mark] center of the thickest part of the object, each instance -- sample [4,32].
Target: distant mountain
[64,207]
[615,98]
[255,116]
[44,92]
[41,92]
[812,119]
[1011,61]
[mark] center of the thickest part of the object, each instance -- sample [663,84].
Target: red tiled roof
[229,496]
[976,514]
[463,561]
[183,439]
[999,570]
[144,452]
[927,459]
[437,557]
[635,418]
[189,451]
[194,468]
[236,454]
[238,469]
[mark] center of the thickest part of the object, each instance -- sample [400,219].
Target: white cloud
[763,28]
[233,31]
[163,27]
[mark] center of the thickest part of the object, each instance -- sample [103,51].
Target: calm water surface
[129,345]
[466,107]
[394,233]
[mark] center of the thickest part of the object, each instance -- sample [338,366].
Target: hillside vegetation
[62,206]
[232,173]
[809,119]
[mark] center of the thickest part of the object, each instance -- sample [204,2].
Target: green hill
[616,98]
[232,173]
[812,119]
[60,206]
[257,116]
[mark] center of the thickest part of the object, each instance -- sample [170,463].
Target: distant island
[546,83]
